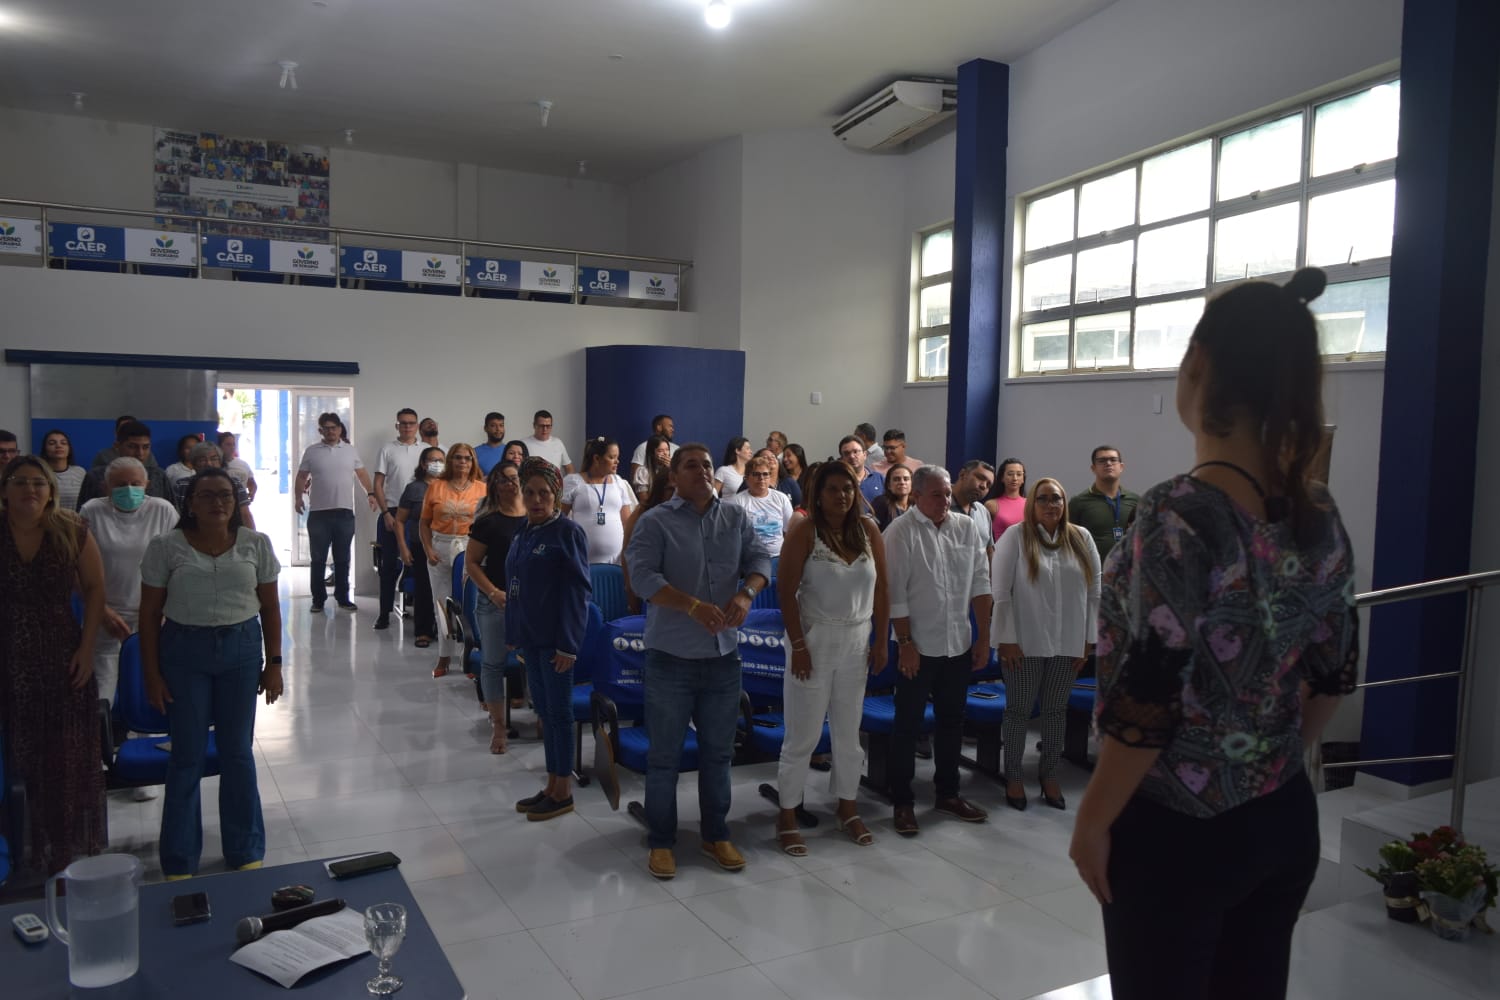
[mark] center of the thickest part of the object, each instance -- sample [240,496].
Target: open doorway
[273,424]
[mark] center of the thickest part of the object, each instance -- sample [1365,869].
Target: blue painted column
[1430,409]
[979,270]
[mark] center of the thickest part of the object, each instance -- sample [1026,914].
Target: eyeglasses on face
[328,427]
[406,423]
[1110,460]
[1049,499]
[26,482]
[216,498]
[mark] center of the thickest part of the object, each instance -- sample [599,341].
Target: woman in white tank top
[831,584]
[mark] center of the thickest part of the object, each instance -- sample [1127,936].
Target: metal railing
[1474,584]
[196,223]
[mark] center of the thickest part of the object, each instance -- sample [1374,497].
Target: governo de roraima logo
[6,229]
[306,253]
[163,243]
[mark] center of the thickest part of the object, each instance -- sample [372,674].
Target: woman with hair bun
[1227,633]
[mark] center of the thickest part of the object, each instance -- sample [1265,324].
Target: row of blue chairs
[12,817]
[142,756]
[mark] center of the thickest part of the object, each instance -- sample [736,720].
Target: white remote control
[29,928]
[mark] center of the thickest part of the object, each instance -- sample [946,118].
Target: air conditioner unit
[897,113]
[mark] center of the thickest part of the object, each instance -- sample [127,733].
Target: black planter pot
[1401,896]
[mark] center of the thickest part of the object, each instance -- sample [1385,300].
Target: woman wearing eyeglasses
[1045,579]
[214,582]
[769,511]
[447,511]
[498,520]
[599,500]
[49,708]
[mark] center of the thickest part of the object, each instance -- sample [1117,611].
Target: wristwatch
[274,661]
[751,591]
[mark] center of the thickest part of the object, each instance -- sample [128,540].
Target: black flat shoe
[548,808]
[526,804]
[1016,802]
[1057,803]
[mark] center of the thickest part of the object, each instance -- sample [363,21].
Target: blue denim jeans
[491,621]
[706,692]
[212,675]
[329,529]
[552,697]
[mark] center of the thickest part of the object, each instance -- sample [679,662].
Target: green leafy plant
[1395,856]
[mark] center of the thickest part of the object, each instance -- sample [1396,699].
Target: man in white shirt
[395,467]
[895,451]
[234,465]
[660,424]
[937,572]
[544,444]
[323,479]
[975,480]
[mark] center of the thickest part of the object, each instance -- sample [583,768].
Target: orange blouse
[449,510]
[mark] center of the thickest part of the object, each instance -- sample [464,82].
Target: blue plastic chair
[13,814]
[140,760]
[609,590]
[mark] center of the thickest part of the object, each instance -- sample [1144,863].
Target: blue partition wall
[703,390]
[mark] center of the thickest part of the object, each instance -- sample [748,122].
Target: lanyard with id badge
[600,517]
[1114,506]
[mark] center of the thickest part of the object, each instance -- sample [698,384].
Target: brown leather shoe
[962,808]
[906,821]
[724,854]
[662,863]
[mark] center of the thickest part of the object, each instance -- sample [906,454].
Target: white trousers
[107,657]
[446,548]
[835,690]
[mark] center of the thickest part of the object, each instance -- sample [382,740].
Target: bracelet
[696,602]
[799,645]
[274,661]
[903,640]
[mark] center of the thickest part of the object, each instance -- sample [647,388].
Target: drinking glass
[385,929]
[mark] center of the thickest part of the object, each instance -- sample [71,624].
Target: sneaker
[251,867]
[383,622]
[347,605]
[661,863]
[724,854]
[549,808]
[317,607]
[143,793]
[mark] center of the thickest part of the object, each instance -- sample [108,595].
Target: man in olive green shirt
[1104,509]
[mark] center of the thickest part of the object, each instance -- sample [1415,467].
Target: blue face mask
[128,497]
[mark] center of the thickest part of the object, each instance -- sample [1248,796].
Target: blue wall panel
[703,390]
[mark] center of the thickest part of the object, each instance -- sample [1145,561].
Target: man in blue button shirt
[700,564]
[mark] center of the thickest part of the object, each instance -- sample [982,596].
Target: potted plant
[1458,884]
[1397,876]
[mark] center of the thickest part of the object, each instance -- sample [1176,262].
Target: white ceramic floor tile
[509,967]
[1075,907]
[747,983]
[885,967]
[1326,966]
[463,908]
[1022,866]
[775,919]
[385,811]
[1013,950]
[622,953]
[425,854]
[337,778]
[572,885]
[430,767]
[1092,989]
[482,799]
[912,888]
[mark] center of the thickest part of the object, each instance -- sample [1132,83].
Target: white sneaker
[144,793]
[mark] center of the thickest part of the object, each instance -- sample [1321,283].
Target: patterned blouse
[1209,622]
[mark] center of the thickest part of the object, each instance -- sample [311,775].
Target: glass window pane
[1108,203]
[937,253]
[1162,332]
[1046,283]
[1263,242]
[1104,272]
[932,307]
[1361,128]
[1261,158]
[1049,220]
[1352,316]
[1044,346]
[932,357]
[1102,341]
[1351,225]
[1172,259]
[1176,183]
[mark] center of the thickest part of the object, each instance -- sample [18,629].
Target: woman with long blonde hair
[1045,579]
[447,512]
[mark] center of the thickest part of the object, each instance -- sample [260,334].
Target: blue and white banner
[237,254]
[651,285]
[151,246]
[537,277]
[370,263]
[604,282]
[430,268]
[20,236]
[76,242]
[301,258]
[493,272]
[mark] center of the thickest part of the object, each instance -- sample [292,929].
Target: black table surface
[193,961]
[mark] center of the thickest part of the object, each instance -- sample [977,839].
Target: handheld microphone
[254,928]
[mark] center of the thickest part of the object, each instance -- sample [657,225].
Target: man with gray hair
[937,573]
[206,455]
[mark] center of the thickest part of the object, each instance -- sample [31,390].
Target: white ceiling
[457,80]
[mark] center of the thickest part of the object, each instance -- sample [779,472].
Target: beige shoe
[498,734]
[724,855]
[662,863]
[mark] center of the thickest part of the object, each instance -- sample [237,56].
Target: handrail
[196,220]
[1474,584]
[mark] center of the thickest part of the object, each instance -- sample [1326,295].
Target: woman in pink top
[1010,506]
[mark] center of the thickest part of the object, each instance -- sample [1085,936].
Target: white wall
[453,359]
[550,211]
[75,160]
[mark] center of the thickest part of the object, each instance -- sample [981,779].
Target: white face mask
[434,468]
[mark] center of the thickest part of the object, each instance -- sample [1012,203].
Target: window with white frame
[1116,266]
[933,299]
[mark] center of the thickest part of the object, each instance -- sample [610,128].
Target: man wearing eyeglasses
[9,447]
[395,467]
[1105,508]
[323,477]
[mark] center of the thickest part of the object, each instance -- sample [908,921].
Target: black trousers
[391,566]
[425,616]
[945,679]
[1204,908]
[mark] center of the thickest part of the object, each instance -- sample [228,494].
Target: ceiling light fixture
[583,167]
[544,111]
[717,14]
[78,97]
[348,137]
[288,74]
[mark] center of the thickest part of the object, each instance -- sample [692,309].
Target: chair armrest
[747,715]
[606,715]
[106,735]
[454,619]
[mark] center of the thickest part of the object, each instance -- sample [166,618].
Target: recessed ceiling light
[8,20]
[617,56]
[320,3]
[717,14]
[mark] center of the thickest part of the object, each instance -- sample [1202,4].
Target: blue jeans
[552,697]
[325,529]
[212,675]
[706,692]
[491,621]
